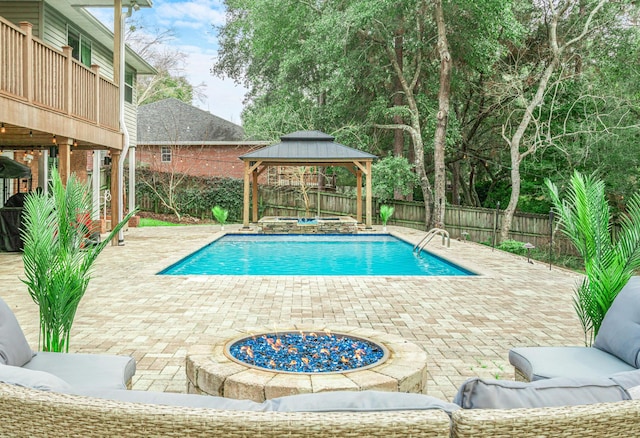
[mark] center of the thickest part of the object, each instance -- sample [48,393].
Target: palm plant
[586,219]
[58,256]
[386,211]
[220,214]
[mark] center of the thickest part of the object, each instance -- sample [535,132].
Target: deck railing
[46,77]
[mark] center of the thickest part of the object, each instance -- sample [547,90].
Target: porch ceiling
[22,138]
[108,3]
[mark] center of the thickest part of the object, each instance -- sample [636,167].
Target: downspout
[123,126]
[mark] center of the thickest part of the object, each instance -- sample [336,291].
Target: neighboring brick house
[177,137]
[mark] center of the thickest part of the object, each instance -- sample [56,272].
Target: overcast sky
[192,23]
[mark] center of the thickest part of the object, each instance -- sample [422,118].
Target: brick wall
[207,161]
[79,162]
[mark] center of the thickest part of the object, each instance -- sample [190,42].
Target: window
[128,86]
[80,45]
[165,154]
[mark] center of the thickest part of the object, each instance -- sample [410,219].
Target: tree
[568,23]
[170,81]
[164,169]
[360,68]
[373,73]
[392,175]
[442,117]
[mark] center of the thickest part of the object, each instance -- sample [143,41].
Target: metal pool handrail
[430,235]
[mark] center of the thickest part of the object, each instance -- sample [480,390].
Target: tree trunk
[398,134]
[514,146]
[440,138]
[507,218]
[516,140]
[422,177]
[413,128]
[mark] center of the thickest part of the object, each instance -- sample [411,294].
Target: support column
[64,158]
[43,171]
[254,201]
[359,196]
[245,204]
[132,178]
[369,195]
[117,37]
[95,185]
[115,193]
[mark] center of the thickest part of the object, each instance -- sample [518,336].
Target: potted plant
[221,215]
[609,262]
[59,254]
[386,211]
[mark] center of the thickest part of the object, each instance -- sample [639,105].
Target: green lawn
[149,222]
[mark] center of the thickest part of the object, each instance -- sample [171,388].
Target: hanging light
[30,133]
[2,129]
[54,140]
[75,143]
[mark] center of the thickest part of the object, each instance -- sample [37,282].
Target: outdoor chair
[616,348]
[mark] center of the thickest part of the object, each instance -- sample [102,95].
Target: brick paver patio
[466,324]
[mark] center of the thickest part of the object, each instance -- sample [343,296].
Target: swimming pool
[303,254]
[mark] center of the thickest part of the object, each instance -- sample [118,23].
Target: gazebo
[307,148]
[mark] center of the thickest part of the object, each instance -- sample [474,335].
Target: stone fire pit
[211,371]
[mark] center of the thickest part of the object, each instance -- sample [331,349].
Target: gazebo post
[254,176]
[359,195]
[245,205]
[369,195]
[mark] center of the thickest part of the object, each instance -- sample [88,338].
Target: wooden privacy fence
[472,223]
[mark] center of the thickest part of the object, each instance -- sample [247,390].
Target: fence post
[459,219]
[495,225]
[550,237]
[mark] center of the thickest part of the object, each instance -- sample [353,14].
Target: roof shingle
[308,145]
[171,120]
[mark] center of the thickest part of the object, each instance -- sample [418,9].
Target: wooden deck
[44,91]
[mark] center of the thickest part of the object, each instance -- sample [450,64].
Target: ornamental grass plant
[386,211]
[59,254]
[609,262]
[220,214]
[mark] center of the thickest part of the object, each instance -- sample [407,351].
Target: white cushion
[620,329]
[103,371]
[359,401]
[14,348]
[477,393]
[32,379]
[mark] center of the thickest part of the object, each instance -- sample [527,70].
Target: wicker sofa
[32,413]
[86,396]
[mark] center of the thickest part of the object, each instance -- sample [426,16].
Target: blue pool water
[301,254]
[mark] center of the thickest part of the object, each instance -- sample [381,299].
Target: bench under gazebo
[307,148]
